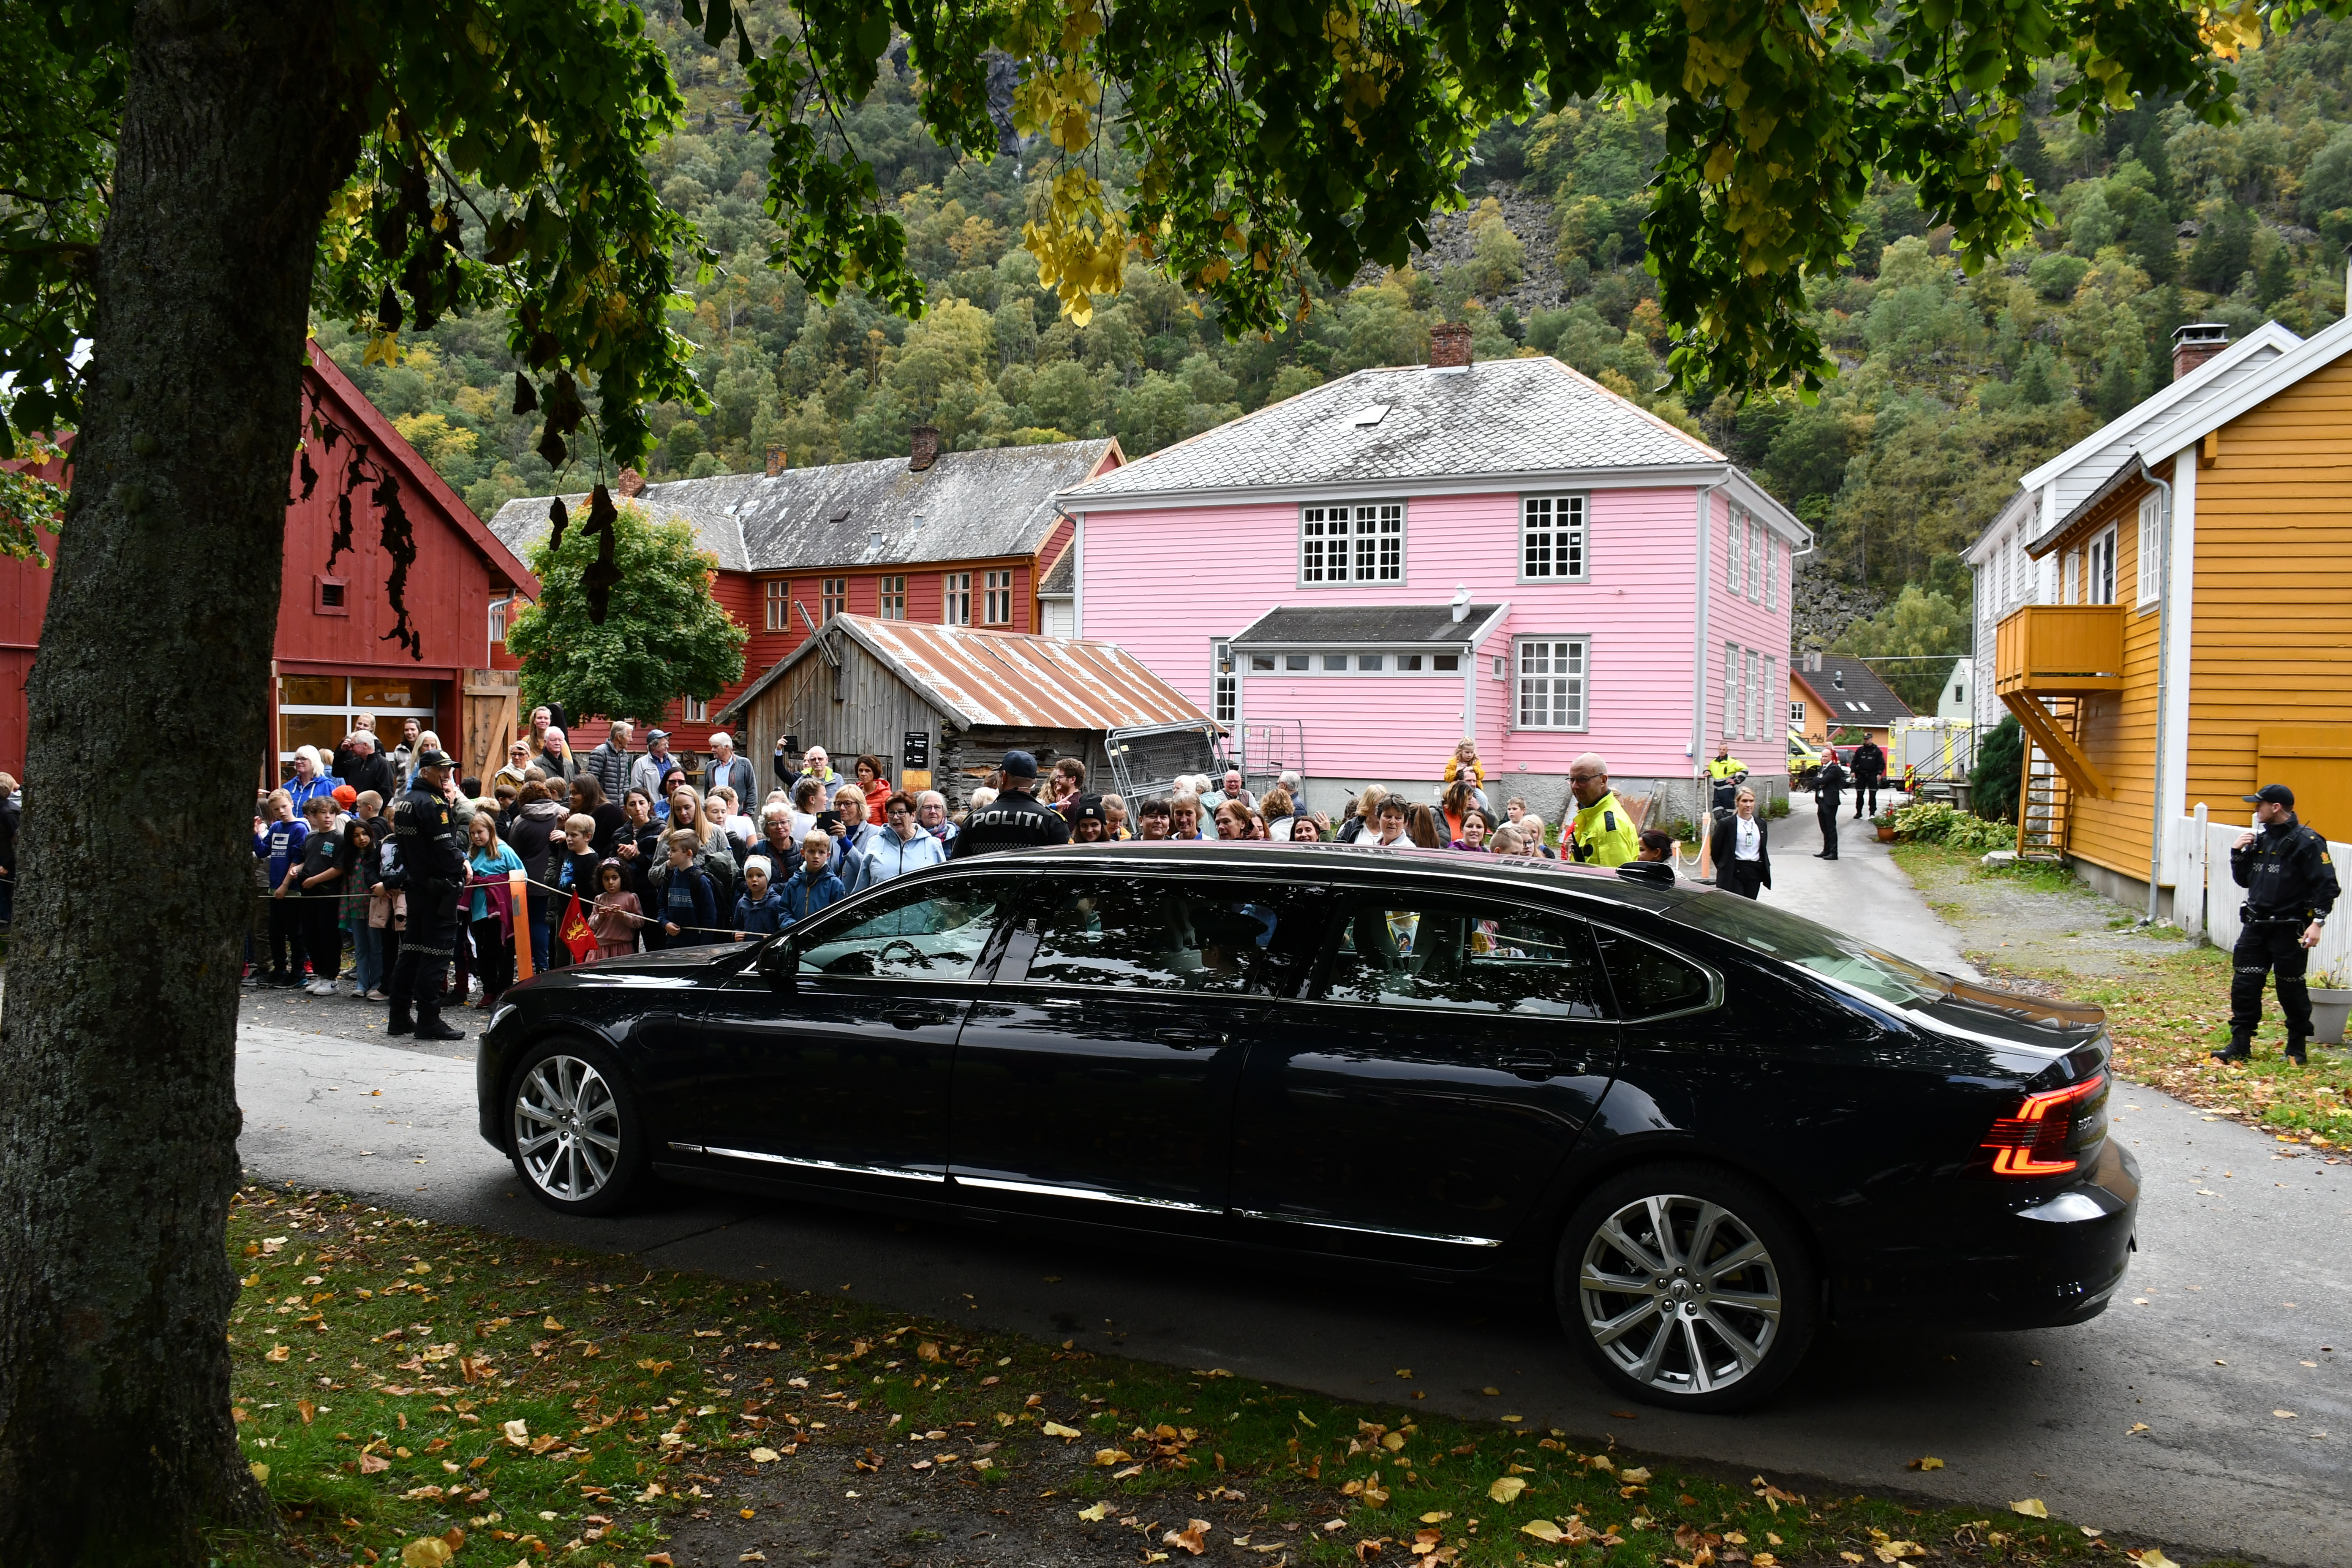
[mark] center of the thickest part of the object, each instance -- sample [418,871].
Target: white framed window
[996,608]
[1764,690]
[1341,543]
[2099,586]
[894,597]
[2070,579]
[1225,704]
[2151,551]
[499,609]
[694,710]
[1772,570]
[955,599]
[1756,560]
[2020,569]
[1553,674]
[1733,702]
[1796,716]
[836,596]
[1734,553]
[320,710]
[1553,539]
[780,605]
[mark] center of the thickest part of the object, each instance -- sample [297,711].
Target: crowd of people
[561,859]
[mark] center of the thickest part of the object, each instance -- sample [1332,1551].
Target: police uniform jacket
[1010,821]
[2286,874]
[432,863]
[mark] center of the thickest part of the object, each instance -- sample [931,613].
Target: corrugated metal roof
[967,506]
[1008,678]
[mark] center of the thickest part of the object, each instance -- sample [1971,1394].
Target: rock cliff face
[1540,286]
[1824,604]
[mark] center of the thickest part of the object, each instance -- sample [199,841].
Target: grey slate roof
[1061,579]
[1498,417]
[966,505]
[1366,624]
[1862,701]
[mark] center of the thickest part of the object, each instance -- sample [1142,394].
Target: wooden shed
[941,705]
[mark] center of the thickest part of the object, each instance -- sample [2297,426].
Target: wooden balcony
[2059,650]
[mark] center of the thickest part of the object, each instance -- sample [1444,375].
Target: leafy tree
[1918,623]
[189,184]
[663,635]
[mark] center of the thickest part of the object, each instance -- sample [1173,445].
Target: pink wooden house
[1358,577]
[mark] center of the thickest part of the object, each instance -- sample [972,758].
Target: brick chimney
[925,451]
[1449,346]
[2195,344]
[778,461]
[633,483]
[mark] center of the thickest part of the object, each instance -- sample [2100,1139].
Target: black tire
[1688,1334]
[572,1127]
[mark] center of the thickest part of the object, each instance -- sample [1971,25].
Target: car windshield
[1792,939]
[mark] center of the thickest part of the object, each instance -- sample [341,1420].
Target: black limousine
[1704,1124]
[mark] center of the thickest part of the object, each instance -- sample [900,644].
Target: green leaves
[660,634]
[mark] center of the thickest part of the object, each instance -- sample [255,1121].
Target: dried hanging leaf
[526,397]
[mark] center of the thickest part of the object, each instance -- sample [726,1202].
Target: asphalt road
[2238,1310]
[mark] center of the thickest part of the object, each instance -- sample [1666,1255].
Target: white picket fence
[2206,899]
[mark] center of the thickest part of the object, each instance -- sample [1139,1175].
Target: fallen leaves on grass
[2031,1507]
[1056,1430]
[1506,1488]
[1192,1538]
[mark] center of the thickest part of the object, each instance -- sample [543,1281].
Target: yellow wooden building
[2193,637]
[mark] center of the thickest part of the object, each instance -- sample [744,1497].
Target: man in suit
[1828,788]
[1740,847]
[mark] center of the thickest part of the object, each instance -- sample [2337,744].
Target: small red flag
[576,934]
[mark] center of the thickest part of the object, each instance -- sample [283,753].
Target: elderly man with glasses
[1602,833]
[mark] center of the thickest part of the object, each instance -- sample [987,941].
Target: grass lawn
[406,1389]
[2170,1012]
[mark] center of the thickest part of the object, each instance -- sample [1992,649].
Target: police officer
[1013,820]
[2290,888]
[431,868]
[1603,832]
[1869,773]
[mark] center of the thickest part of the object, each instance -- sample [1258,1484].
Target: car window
[1648,980]
[933,931]
[1146,933]
[1464,957]
[1792,939]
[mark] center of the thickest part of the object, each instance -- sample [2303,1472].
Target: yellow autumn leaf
[551,1325]
[1095,1514]
[517,1431]
[2031,1507]
[425,1552]
[1543,1530]
[1435,1516]
[2152,1557]
[1507,1489]
[1926,1465]
[764,1456]
[260,1472]
[1638,1476]
[1056,1430]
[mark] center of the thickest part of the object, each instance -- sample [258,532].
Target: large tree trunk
[118,1108]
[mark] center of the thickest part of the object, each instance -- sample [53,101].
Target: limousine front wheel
[1684,1286]
[575,1133]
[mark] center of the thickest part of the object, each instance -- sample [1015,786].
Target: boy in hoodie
[813,886]
[760,912]
[689,910]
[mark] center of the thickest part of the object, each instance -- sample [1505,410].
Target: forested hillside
[1950,386]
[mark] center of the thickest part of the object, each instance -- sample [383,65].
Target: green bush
[2000,759]
[1778,809]
[1936,821]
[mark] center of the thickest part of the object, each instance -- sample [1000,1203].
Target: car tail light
[2050,1134]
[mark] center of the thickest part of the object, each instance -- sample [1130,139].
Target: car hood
[677,962]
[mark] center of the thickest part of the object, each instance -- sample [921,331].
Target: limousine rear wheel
[574,1129]
[1685,1286]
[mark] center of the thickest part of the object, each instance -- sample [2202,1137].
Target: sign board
[917,752]
[914,779]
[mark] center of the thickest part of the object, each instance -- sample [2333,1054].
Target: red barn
[335,655]
[944,538]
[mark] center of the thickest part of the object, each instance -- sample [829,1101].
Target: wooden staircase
[2056,770]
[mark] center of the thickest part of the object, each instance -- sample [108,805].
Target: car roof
[1353,862]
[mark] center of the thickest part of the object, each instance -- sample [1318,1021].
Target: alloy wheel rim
[567,1127]
[1680,1293]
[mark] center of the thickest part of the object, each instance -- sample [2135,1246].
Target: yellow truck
[1804,762]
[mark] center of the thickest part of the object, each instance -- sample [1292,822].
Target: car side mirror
[779,965]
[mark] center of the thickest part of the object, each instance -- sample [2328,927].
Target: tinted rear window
[1792,939]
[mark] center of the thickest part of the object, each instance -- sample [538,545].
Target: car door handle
[1188,1039]
[914,1017]
[1528,1064]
